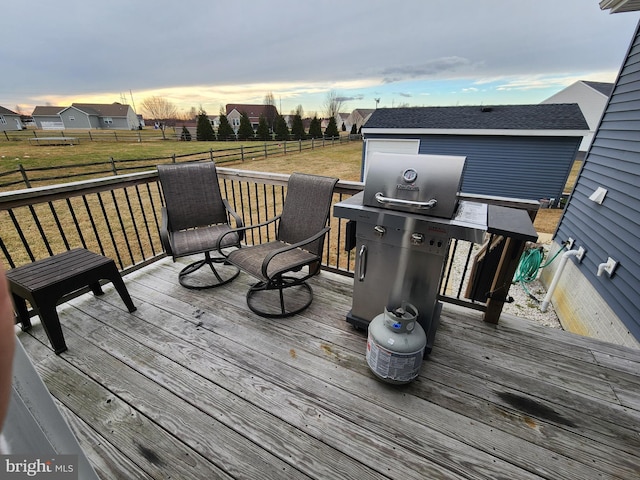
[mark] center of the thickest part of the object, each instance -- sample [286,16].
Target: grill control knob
[380,230]
[417,238]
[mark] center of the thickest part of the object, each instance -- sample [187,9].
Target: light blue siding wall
[523,167]
[613,228]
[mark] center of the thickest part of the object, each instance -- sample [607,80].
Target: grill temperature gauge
[409,175]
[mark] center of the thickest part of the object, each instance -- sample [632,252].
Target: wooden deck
[194,386]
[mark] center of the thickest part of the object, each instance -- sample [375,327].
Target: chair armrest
[293,246]
[164,232]
[241,231]
[236,218]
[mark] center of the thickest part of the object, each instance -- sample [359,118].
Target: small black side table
[44,282]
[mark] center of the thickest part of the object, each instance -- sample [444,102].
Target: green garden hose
[530,264]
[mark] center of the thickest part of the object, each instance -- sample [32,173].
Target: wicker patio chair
[284,265]
[194,218]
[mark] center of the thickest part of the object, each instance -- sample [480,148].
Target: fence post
[23,172]
[139,137]
[62,133]
[265,150]
[34,134]
[173,158]
[115,135]
[211,154]
[90,136]
[113,166]
[285,147]
[242,153]
[5,134]
[300,145]
[312,143]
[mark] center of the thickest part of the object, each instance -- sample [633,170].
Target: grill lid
[424,184]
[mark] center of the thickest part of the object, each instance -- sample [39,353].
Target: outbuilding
[521,151]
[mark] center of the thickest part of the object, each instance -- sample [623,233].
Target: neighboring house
[47,117]
[606,226]
[215,121]
[86,115]
[359,117]
[343,119]
[592,97]
[114,116]
[521,151]
[9,120]
[235,110]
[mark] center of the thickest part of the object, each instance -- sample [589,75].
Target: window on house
[3,121]
[236,122]
[72,118]
[107,120]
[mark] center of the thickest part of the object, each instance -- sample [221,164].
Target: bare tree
[333,104]
[159,108]
[269,99]
[270,113]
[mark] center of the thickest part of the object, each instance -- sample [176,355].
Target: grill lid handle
[380,198]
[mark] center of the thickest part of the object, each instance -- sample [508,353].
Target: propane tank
[395,344]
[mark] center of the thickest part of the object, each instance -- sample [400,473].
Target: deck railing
[119,217]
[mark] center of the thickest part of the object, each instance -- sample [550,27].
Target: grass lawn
[340,160]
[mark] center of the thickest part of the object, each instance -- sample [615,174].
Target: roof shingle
[554,116]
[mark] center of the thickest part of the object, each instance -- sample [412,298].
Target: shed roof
[601,87]
[6,111]
[558,116]
[46,110]
[103,109]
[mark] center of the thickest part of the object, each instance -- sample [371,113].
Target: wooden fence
[22,177]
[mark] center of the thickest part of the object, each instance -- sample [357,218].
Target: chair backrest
[306,209]
[192,195]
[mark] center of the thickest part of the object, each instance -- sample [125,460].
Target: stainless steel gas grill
[404,221]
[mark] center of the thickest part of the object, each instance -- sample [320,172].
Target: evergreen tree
[297,128]
[186,134]
[263,129]
[204,130]
[344,127]
[315,128]
[282,131]
[354,129]
[332,129]
[225,131]
[245,132]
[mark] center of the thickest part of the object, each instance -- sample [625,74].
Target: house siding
[592,104]
[523,167]
[611,229]
[74,118]
[10,123]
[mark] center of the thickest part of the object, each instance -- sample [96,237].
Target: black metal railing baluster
[127,243]
[145,219]
[75,222]
[93,224]
[134,223]
[25,244]
[59,225]
[43,235]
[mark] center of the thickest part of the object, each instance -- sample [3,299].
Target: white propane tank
[395,344]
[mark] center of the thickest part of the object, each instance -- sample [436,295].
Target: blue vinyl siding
[613,228]
[507,166]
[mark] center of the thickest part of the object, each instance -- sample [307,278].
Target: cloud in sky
[212,53]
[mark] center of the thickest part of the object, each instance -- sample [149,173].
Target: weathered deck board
[194,385]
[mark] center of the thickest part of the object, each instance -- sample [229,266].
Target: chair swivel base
[223,274]
[286,300]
